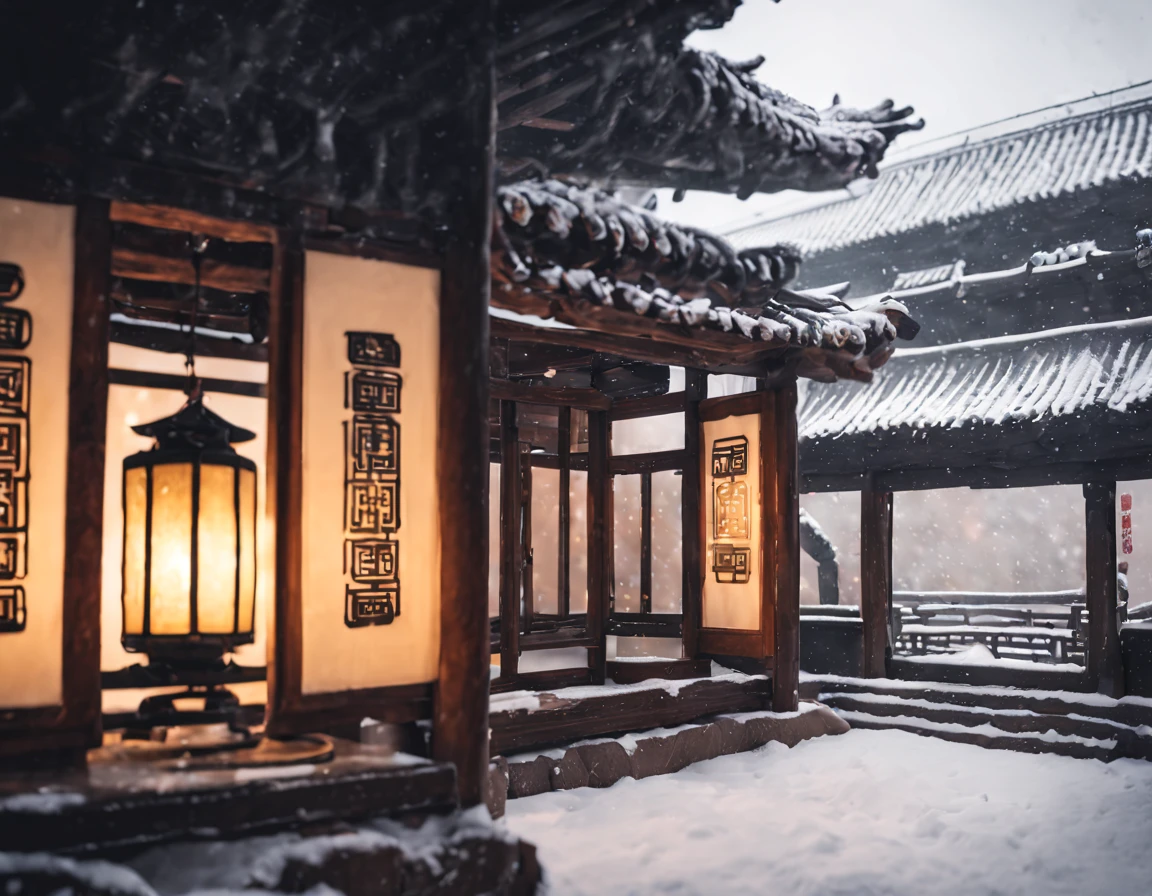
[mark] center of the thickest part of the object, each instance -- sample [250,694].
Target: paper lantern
[189,592]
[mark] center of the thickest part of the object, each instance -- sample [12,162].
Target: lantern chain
[198,243]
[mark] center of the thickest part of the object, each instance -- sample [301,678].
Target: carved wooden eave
[678,295]
[684,118]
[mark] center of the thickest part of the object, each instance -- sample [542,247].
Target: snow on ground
[867,813]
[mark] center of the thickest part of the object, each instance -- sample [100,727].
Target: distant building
[1033,368]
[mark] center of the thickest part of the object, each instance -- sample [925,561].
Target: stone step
[1134,742]
[601,762]
[989,738]
[1131,711]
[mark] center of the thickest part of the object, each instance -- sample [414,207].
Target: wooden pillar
[87,425]
[460,731]
[691,491]
[527,561]
[875,577]
[511,560]
[1105,666]
[564,450]
[599,565]
[285,490]
[786,506]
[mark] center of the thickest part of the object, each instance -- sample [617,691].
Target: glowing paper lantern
[189,591]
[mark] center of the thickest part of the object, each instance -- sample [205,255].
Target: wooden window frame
[645,623]
[517,611]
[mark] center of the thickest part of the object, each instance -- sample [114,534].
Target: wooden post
[599,567]
[786,508]
[511,561]
[460,729]
[527,560]
[645,542]
[87,425]
[691,489]
[284,489]
[1105,666]
[875,577]
[564,450]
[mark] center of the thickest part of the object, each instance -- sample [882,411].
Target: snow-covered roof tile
[1066,389]
[1055,158]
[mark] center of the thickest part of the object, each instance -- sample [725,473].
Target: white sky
[961,63]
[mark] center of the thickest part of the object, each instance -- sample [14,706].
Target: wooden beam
[650,625]
[162,339]
[511,560]
[875,577]
[650,406]
[599,533]
[566,720]
[731,406]
[1104,664]
[691,496]
[179,219]
[1041,472]
[213,274]
[87,436]
[624,672]
[653,461]
[588,399]
[786,485]
[176,382]
[544,680]
[635,348]
[460,727]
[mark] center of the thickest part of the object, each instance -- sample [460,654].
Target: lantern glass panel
[216,551]
[246,618]
[171,573]
[135,531]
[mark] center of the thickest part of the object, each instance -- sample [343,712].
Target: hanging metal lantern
[189,561]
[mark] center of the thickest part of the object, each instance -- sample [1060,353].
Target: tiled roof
[993,381]
[584,258]
[1049,160]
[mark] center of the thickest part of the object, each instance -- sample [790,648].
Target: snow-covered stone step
[1131,711]
[601,762]
[1135,742]
[989,737]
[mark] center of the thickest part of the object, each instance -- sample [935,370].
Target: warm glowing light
[189,539]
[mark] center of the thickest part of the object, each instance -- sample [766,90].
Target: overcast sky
[961,63]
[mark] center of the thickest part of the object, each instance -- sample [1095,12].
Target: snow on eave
[528,320]
[1136,323]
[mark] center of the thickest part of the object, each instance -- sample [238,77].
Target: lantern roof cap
[194,426]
